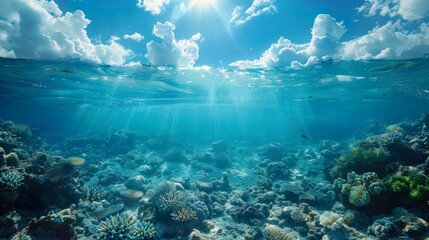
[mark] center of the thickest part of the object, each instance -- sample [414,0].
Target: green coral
[364,156]
[416,186]
[144,230]
[93,193]
[357,189]
[359,196]
[12,180]
[120,226]
[123,226]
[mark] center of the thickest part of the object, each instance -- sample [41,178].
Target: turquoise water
[332,100]
[261,154]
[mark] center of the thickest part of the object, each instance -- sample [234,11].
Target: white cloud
[390,41]
[258,7]
[135,36]
[325,35]
[407,9]
[153,6]
[180,53]
[39,30]
[413,9]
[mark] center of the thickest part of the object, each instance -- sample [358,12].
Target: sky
[216,33]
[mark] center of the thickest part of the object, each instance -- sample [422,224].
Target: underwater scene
[335,150]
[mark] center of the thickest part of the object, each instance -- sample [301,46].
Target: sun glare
[203,3]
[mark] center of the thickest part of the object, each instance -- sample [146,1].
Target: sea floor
[125,185]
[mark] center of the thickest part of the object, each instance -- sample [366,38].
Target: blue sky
[240,33]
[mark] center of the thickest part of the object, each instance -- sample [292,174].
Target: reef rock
[53,226]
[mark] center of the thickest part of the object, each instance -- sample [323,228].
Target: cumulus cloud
[407,9]
[180,53]
[40,30]
[390,41]
[326,33]
[135,36]
[240,16]
[155,7]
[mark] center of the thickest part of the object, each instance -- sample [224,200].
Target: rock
[204,186]
[252,214]
[12,159]
[53,226]
[175,155]
[219,146]
[405,154]
[277,171]
[221,160]
[292,192]
[272,152]
[22,153]
[120,142]
[412,225]
[136,182]
[197,235]
[307,198]
[9,223]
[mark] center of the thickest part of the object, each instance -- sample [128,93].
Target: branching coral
[120,226]
[170,201]
[144,230]
[184,215]
[11,180]
[93,193]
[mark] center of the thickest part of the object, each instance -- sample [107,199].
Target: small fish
[384,94]
[304,136]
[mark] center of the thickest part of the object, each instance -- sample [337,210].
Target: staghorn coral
[185,214]
[144,230]
[93,193]
[275,233]
[11,180]
[331,220]
[120,226]
[170,202]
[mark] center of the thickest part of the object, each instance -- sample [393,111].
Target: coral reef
[58,225]
[144,230]
[275,233]
[364,156]
[93,193]
[119,226]
[358,189]
[11,180]
[331,220]
[134,186]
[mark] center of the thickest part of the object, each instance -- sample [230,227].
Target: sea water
[223,152]
[332,100]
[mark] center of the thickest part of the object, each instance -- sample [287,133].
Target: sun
[203,3]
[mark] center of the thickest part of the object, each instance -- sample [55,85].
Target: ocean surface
[333,100]
[337,150]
